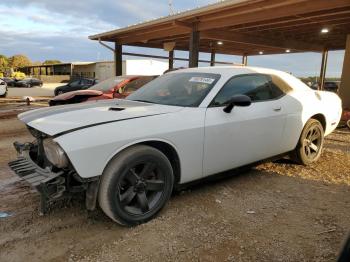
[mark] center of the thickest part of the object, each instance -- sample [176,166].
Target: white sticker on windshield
[204,80]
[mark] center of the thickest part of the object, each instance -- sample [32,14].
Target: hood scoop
[116,109]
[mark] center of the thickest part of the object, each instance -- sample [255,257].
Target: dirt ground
[275,212]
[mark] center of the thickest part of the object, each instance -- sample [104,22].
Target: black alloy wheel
[309,147]
[140,188]
[135,185]
[312,142]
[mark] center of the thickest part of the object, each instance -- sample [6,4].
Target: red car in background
[115,87]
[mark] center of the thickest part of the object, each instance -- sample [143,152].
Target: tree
[50,62]
[17,61]
[3,63]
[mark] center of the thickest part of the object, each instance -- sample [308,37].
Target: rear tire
[136,185]
[310,143]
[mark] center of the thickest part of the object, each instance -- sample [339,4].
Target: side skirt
[229,173]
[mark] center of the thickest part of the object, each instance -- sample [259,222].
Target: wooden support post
[244,60]
[118,59]
[171,59]
[46,71]
[212,57]
[194,47]
[344,90]
[323,69]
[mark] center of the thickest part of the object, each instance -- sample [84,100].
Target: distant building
[100,70]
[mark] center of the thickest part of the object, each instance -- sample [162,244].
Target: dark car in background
[28,82]
[9,81]
[328,86]
[77,84]
[114,87]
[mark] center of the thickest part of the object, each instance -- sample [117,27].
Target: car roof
[230,69]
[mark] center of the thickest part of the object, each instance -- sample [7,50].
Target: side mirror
[2,83]
[237,100]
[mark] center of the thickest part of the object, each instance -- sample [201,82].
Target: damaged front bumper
[52,184]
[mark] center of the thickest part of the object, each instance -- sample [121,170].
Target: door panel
[246,135]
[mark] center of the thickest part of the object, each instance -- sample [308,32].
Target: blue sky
[47,29]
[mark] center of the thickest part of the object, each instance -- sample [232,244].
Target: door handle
[277,109]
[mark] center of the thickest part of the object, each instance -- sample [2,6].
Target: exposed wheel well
[322,120]
[170,153]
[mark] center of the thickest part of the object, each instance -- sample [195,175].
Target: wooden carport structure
[246,28]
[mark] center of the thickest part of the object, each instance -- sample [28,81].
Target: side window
[257,86]
[86,82]
[74,83]
[131,86]
[136,84]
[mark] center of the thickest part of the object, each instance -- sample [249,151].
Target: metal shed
[246,28]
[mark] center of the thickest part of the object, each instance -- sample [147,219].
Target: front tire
[136,185]
[310,143]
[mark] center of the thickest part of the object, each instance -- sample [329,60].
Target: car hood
[59,120]
[69,95]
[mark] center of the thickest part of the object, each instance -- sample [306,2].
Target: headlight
[55,154]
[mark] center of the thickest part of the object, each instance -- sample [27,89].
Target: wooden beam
[182,24]
[344,89]
[170,39]
[194,47]
[323,69]
[276,12]
[147,36]
[171,59]
[248,7]
[228,48]
[280,44]
[292,20]
[245,60]
[153,29]
[175,58]
[118,59]
[298,26]
[309,28]
[212,57]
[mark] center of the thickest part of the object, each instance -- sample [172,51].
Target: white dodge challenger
[129,155]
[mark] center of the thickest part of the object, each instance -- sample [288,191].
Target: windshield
[108,84]
[178,89]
